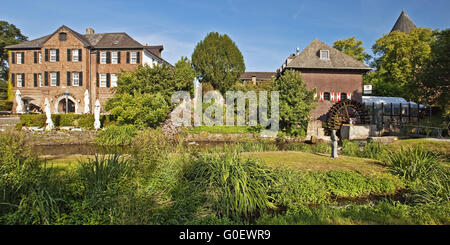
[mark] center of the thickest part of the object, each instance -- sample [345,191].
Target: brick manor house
[66,65]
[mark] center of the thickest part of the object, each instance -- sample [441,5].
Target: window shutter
[46,54]
[118,57]
[108,57]
[13,79]
[108,80]
[128,57]
[68,78]
[57,54]
[98,81]
[138,57]
[35,57]
[13,57]
[57,78]
[46,78]
[80,78]
[98,57]
[79,55]
[23,79]
[68,54]
[35,79]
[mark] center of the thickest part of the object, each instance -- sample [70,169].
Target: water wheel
[347,112]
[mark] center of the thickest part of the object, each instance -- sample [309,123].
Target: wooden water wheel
[347,112]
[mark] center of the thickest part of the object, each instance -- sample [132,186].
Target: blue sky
[266,32]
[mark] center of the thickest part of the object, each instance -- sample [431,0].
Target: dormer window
[62,36]
[324,54]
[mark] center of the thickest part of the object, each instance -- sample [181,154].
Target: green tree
[9,35]
[142,110]
[217,60]
[146,79]
[436,74]
[400,58]
[296,102]
[353,48]
[184,75]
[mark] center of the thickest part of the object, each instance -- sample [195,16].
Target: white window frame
[40,58]
[102,57]
[40,79]
[52,55]
[113,80]
[19,58]
[102,80]
[133,58]
[75,55]
[327,56]
[75,79]
[114,57]
[53,79]
[19,80]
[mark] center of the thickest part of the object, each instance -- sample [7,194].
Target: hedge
[6,105]
[60,120]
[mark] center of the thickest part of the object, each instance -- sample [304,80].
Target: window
[52,55]
[40,58]
[326,96]
[113,80]
[103,80]
[102,57]
[133,58]
[343,96]
[40,80]
[19,58]
[53,78]
[75,79]
[114,57]
[19,80]
[62,36]
[75,55]
[324,54]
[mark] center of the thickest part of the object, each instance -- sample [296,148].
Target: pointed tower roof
[403,23]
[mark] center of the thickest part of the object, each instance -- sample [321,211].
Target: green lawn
[317,162]
[439,147]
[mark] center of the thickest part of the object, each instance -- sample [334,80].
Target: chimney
[90,31]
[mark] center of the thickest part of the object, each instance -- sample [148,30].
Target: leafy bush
[235,187]
[141,110]
[350,148]
[324,148]
[77,120]
[6,105]
[374,150]
[116,135]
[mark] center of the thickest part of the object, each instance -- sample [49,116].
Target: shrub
[6,105]
[434,190]
[350,148]
[323,148]
[77,120]
[374,150]
[235,187]
[413,163]
[116,135]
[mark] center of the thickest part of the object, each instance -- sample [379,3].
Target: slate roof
[97,40]
[258,75]
[309,59]
[403,23]
[155,50]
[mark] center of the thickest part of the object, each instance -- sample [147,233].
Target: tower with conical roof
[403,23]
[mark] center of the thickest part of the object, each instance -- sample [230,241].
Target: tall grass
[235,187]
[116,135]
[413,163]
